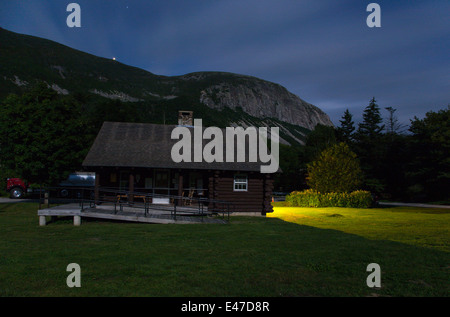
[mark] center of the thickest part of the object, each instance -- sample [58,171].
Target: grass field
[312,253]
[424,227]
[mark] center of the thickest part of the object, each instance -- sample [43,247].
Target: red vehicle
[16,187]
[72,187]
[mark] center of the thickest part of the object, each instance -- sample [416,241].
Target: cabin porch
[137,207]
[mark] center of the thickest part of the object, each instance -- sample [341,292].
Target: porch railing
[150,203]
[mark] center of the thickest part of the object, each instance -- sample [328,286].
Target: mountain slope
[240,99]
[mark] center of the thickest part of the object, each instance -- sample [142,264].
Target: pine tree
[345,131]
[393,125]
[371,126]
[370,149]
[319,139]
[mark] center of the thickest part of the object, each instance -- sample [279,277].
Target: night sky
[321,50]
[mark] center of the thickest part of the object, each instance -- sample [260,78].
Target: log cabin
[136,157]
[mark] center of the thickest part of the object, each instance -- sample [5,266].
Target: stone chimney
[186,118]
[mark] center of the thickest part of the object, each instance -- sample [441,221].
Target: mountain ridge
[28,59]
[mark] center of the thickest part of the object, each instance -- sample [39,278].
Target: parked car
[77,185]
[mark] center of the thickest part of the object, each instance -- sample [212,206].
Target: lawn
[424,227]
[250,256]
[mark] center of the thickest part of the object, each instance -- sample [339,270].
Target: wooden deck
[126,213]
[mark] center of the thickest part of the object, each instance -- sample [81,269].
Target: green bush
[336,170]
[311,198]
[360,199]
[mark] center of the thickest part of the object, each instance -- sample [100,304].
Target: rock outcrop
[263,99]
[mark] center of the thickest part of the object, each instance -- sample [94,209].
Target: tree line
[45,136]
[397,162]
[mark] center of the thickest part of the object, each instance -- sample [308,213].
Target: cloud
[320,50]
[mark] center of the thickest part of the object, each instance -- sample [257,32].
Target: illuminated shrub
[336,170]
[311,198]
[360,199]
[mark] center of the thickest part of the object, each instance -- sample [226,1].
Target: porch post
[180,187]
[267,194]
[97,188]
[131,188]
[214,194]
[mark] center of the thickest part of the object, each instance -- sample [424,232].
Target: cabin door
[124,180]
[162,185]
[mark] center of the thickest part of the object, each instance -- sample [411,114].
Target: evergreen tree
[293,164]
[345,131]
[395,150]
[318,140]
[370,149]
[429,159]
[393,125]
[371,126]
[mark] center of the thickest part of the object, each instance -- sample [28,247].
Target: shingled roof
[120,144]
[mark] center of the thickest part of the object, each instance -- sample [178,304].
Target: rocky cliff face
[263,99]
[27,60]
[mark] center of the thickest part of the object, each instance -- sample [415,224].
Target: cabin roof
[120,144]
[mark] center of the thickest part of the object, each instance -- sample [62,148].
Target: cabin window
[240,183]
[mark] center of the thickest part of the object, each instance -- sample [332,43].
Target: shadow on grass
[251,256]
[406,270]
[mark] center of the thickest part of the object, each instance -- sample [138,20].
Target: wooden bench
[120,203]
[135,196]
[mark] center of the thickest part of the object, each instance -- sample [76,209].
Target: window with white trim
[240,183]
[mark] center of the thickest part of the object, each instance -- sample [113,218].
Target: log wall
[257,198]
[220,185]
